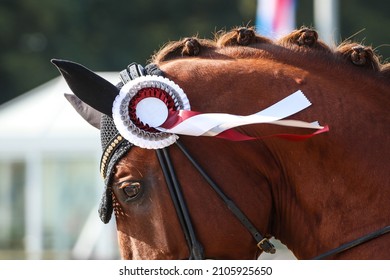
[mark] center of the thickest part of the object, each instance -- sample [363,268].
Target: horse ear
[88,86]
[89,114]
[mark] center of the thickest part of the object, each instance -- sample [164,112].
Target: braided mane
[243,42]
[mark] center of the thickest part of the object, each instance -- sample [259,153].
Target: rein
[354,243]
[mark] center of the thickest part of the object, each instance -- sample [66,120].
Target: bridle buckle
[266,246]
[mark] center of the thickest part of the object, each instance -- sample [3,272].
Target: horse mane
[244,42]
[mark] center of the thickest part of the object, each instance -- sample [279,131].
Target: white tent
[42,119]
[41,131]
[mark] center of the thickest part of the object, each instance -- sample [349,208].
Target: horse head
[300,192]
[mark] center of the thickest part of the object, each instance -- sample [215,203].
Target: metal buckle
[266,246]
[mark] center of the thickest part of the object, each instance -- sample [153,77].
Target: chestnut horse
[313,195]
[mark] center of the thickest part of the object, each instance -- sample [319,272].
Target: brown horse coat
[313,195]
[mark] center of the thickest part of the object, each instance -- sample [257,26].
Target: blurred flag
[275,18]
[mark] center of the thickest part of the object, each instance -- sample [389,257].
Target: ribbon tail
[234,135]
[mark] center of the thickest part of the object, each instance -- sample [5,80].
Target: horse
[325,192]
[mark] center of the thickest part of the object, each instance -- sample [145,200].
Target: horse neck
[332,185]
[324,182]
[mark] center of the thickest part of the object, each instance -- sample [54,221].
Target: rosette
[142,105]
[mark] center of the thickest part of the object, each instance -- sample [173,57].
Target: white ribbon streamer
[211,124]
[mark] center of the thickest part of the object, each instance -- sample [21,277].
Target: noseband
[115,147]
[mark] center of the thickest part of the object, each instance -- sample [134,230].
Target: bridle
[118,146]
[196,250]
[195,247]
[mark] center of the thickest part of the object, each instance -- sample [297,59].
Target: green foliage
[107,35]
[370,21]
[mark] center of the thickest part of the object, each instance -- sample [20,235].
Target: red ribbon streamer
[234,135]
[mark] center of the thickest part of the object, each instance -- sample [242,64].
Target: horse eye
[131,189]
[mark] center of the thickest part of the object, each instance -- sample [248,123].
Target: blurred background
[49,157]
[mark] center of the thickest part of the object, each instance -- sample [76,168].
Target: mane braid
[243,42]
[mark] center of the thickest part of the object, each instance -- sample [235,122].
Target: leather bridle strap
[262,242]
[354,243]
[196,250]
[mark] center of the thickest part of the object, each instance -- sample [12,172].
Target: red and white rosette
[150,111]
[143,104]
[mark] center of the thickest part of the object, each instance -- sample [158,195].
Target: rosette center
[150,107]
[152,111]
